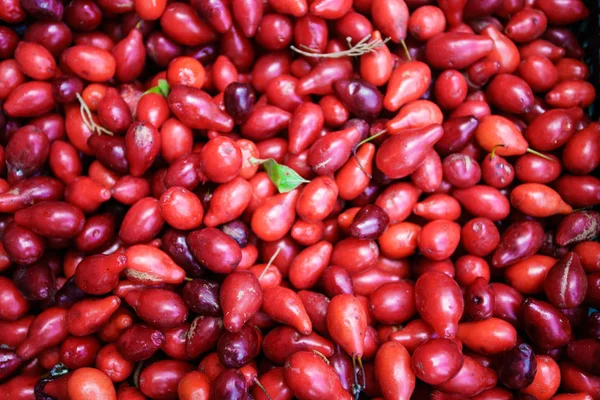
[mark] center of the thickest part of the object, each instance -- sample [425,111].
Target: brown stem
[362,168]
[362,371]
[257,383]
[582,209]
[273,257]
[372,137]
[493,152]
[537,153]
[362,47]
[321,355]
[88,118]
[408,57]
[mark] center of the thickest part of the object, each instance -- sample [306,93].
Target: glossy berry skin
[241,285]
[437,361]
[92,383]
[308,376]
[440,302]
[369,223]
[518,367]
[299,199]
[345,311]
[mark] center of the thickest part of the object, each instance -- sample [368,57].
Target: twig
[273,257]
[406,50]
[537,153]
[493,152]
[88,118]
[364,46]
[321,355]
[374,136]
[257,383]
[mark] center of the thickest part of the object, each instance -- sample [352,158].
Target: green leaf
[284,178]
[154,89]
[164,87]
[161,88]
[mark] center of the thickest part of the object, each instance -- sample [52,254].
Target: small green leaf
[161,88]
[164,87]
[284,178]
[154,89]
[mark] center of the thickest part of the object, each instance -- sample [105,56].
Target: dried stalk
[88,118]
[363,47]
[374,136]
[273,257]
[408,57]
